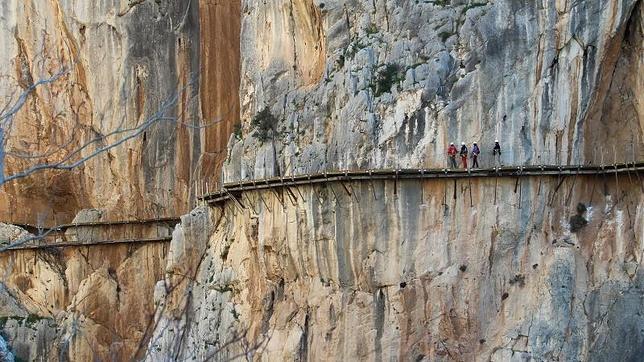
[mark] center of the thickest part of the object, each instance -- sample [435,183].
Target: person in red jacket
[451,152]
[464,152]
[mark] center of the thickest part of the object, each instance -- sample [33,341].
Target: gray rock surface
[388,84]
[10,234]
[22,334]
[5,354]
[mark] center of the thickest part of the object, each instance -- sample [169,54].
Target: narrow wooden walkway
[230,190]
[57,236]
[106,223]
[30,246]
[83,234]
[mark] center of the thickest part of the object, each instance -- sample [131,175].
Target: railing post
[615,167]
[373,189]
[633,149]
[594,160]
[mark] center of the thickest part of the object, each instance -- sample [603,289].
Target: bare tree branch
[73,158]
[10,111]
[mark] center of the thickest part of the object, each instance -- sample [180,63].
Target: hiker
[463,154]
[497,153]
[475,155]
[451,152]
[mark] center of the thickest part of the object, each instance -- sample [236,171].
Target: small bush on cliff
[224,252]
[441,2]
[581,208]
[444,35]
[372,29]
[237,131]
[577,222]
[387,77]
[264,123]
[473,5]
[518,279]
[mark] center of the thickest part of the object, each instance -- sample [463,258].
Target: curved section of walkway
[158,230]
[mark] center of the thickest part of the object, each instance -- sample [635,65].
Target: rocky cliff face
[474,269]
[125,61]
[79,303]
[414,271]
[441,270]
[5,354]
[119,61]
[399,80]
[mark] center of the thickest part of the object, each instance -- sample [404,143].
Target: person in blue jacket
[475,155]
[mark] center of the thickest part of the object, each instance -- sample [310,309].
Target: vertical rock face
[541,268]
[5,354]
[439,270]
[399,80]
[219,81]
[622,111]
[113,66]
[79,303]
[175,298]
[416,270]
[122,63]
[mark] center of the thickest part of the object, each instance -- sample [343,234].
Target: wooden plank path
[62,236]
[234,188]
[63,227]
[55,237]
[29,246]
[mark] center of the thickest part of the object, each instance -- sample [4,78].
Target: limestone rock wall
[386,83]
[124,61]
[477,269]
[474,269]
[79,304]
[175,295]
[5,354]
